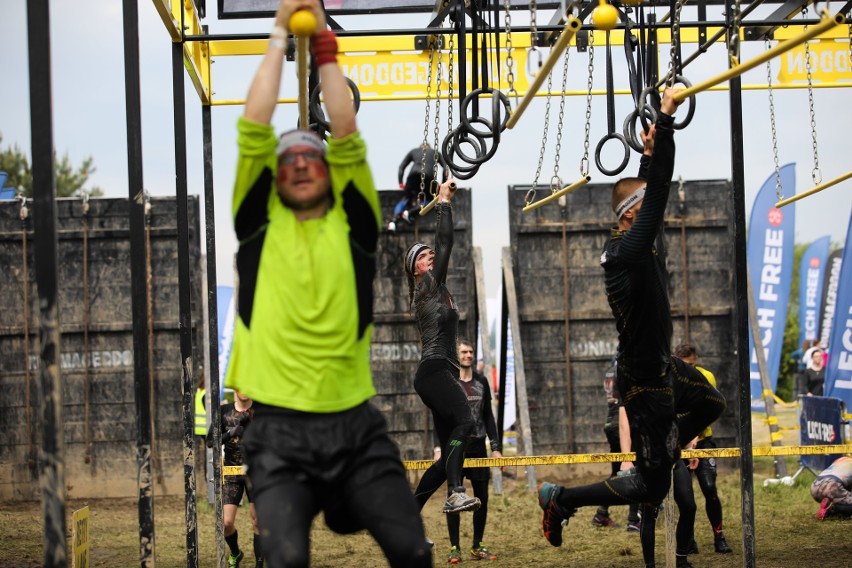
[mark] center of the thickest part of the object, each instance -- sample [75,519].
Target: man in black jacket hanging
[637,291]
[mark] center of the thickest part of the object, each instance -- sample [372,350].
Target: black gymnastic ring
[450,147]
[630,128]
[604,140]
[497,97]
[459,172]
[482,140]
[681,80]
[641,106]
[316,108]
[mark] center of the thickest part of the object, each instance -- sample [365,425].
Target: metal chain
[779,190]
[734,37]
[510,62]
[584,162]
[559,126]
[816,174]
[675,45]
[421,197]
[530,197]
[437,114]
[450,87]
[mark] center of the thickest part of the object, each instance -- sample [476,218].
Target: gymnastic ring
[487,154]
[459,172]
[455,140]
[641,106]
[681,80]
[316,107]
[497,97]
[449,149]
[604,140]
[630,128]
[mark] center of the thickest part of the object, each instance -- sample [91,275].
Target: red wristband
[324,47]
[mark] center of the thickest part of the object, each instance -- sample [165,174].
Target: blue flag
[770,261]
[811,274]
[226,313]
[838,375]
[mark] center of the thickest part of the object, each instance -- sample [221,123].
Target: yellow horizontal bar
[772,420]
[557,194]
[366,44]
[604,458]
[598,92]
[784,46]
[813,190]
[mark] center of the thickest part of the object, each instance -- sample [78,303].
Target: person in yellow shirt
[705,468]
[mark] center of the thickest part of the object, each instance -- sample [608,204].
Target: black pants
[341,463]
[685,500]
[478,477]
[656,435]
[614,440]
[439,388]
[706,475]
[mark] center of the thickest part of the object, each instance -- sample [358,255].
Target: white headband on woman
[630,201]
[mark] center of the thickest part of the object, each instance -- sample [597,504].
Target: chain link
[510,62]
[531,193]
[816,175]
[850,39]
[584,162]
[421,197]
[734,37]
[437,114]
[559,126]
[779,190]
[675,45]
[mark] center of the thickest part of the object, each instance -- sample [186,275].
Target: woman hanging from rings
[437,379]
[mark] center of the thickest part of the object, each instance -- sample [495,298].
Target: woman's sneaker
[455,556]
[482,553]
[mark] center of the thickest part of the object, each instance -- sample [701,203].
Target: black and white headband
[630,201]
[411,256]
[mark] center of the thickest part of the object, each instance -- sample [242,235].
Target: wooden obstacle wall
[111,470]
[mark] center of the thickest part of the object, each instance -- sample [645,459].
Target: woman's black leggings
[437,384]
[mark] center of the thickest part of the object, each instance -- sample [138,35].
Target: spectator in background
[814,371]
[479,400]
[705,468]
[235,418]
[611,431]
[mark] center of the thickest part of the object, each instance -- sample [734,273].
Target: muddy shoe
[553,517]
[458,501]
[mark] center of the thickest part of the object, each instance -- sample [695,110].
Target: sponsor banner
[771,235]
[80,538]
[838,374]
[811,272]
[829,295]
[510,408]
[829,62]
[400,74]
[267,8]
[226,312]
[820,424]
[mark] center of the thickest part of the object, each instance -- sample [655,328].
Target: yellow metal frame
[196,55]
[825,25]
[181,20]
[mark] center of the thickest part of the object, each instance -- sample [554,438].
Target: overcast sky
[89,120]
